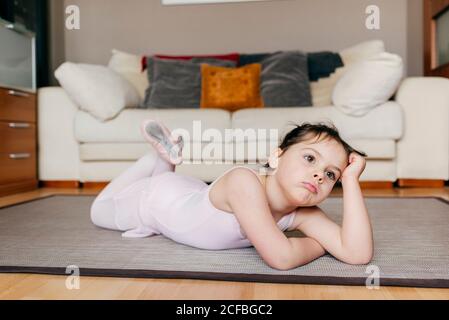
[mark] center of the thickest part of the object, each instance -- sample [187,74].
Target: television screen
[442,38]
[21,12]
[17,58]
[7,10]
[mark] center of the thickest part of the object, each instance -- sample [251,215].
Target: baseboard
[376,184]
[59,184]
[416,183]
[17,187]
[421,183]
[94,185]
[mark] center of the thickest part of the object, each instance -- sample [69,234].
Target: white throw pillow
[97,89]
[322,89]
[130,67]
[368,83]
[362,51]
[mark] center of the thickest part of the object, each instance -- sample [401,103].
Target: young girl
[243,207]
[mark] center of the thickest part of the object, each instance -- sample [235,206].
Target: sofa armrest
[423,150]
[58,149]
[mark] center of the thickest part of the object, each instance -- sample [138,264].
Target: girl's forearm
[356,232]
[303,251]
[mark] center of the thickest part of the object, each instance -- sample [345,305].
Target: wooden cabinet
[436,38]
[18,141]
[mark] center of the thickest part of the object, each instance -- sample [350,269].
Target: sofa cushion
[176,83]
[126,126]
[234,57]
[94,171]
[319,64]
[383,122]
[322,89]
[260,151]
[379,149]
[97,89]
[285,80]
[129,66]
[231,88]
[322,64]
[249,58]
[368,84]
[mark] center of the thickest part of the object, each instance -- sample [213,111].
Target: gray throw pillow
[176,83]
[285,80]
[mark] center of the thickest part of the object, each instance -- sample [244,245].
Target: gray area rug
[48,234]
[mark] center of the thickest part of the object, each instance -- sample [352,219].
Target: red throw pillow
[230,57]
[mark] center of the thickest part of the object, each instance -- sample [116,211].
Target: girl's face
[307,171]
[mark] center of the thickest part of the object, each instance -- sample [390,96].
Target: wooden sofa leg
[59,184]
[421,183]
[94,185]
[376,184]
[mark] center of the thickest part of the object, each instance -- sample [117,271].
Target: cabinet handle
[19,155]
[18,93]
[19,125]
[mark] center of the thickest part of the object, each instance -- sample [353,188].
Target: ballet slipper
[169,147]
[173,137]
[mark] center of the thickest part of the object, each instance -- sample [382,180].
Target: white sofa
[406,138]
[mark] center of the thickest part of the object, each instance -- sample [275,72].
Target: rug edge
[239,277]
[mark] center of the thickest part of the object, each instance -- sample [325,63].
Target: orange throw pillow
[231,88]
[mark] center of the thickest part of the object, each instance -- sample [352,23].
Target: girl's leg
[147,166]
[103,211]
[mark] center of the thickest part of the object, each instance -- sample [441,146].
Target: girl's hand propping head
[355,168]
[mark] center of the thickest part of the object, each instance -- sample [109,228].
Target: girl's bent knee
[102,214]
[94,212]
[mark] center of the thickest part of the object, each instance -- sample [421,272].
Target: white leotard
[178,207]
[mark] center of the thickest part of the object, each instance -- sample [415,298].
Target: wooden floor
[32,286]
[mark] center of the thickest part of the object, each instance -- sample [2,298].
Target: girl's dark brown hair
[307,130]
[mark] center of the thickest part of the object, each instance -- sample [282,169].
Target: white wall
[56,37]
[147,27]
[415,36]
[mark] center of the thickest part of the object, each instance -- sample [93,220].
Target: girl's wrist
[349,179]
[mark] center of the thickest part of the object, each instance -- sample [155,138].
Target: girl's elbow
[283,266]
[280,267]
[281,263]
[360,258]
[288,264]
[368,257]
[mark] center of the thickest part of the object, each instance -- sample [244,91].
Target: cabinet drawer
[17,105]
[17,136]
[17,166]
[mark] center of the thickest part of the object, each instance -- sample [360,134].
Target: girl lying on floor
[244,207]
